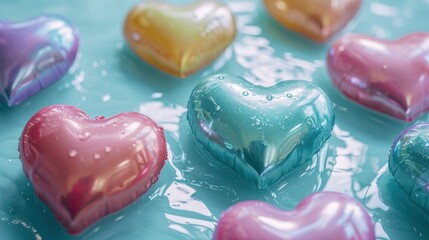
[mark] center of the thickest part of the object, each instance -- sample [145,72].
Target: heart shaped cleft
[391,77]
[179,39]
[323,215]
[409,164]
[318,20]
[261,133]
[33,55]
[85,169]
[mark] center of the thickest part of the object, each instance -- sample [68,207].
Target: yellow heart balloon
[319,20]
[179,39]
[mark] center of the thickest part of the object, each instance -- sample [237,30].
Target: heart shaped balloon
[324,215]
[261,133]
[319,20]
[409,164]
[34,54]
[85,169]
[179,39]
[391,77]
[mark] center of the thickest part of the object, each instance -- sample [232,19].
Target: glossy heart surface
[318,20]
[323,215]
[179,39]
[261,133]
[34,54]
[85,169]
[409,164]
[391,77]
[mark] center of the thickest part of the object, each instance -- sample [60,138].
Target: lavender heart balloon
[409,164]
[34,54]
[324,215]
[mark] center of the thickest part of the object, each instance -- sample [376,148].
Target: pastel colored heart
[85,169]
[391,77]
[409,164]
[179,39]
[318,20]
[33,55]
[261,133]
[323,216]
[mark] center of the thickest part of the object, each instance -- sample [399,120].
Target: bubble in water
[289,95]
[72,153]
[269,97]
[97,156]
[84,135]
[245,93]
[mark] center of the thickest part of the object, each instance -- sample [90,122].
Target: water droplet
[72,153]
[245,93]
[99,117]
[217,108]
[221,77]
[269,97]
[107,149]
[84,135]
[228,145]
[258,121]
[385,67]
[310,121]
[97,156]
[289,95]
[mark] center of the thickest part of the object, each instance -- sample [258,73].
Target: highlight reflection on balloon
[391,77]
[179,39]
[319,20]
[34,54]
[261,133]
[323,215]
[408,163]
[85,169]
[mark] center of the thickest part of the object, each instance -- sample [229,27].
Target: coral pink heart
[391,77]
[325,215]
[85,169]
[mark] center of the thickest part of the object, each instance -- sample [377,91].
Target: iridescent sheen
[409,164]
[319,20]
[34,54]
[261,133]
[85,169]
[390,77]
[179,39]
[324,215]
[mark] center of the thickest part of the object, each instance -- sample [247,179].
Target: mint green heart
[261,133]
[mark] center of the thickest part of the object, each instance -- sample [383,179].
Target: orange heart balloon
[319,20]
[179,39]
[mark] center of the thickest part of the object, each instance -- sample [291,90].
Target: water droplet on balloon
[245,93]
[221,77]
[269,97]
[107,149]
[84,135]
[289,95]
[99,117]
[97,156]
[72,153]
[258,121]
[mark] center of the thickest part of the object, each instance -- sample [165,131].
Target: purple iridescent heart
[34,54]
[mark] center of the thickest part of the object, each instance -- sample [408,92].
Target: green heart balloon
[260,132]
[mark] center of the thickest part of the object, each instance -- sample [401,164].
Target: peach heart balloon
[319,20]
[85,169]
[179,39]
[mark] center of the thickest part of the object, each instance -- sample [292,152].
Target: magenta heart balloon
[84,169]
[391,77]
[34,54]
[324,215]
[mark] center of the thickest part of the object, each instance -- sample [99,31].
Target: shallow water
[193,189]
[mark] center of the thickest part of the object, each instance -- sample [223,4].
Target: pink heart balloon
[324,215]
[85,169]
[391,77]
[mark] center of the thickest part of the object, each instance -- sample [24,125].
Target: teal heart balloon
[409,164]
[260,132]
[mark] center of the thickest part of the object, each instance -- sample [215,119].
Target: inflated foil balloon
[34,54]
[409,164]
[84,169]
[322,216]
[391,77]
[319,20]
[261,133]
[179,39]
